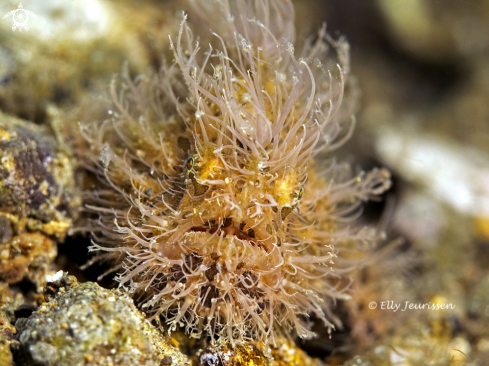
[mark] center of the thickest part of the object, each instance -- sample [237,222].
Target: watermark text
[408,305]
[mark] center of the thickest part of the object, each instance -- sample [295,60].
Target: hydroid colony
[215,211]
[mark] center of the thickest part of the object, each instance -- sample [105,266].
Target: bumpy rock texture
[38,199]
[285,354]
[84,324]
[7,332]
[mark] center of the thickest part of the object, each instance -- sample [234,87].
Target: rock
[289,354]
[6,293]
[418,343]
[285,353]
[84,324]
[7,332]
[72,49]
[5,353]
[28,254]
[38,199]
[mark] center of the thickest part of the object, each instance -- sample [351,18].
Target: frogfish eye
[301,192]
[189,164]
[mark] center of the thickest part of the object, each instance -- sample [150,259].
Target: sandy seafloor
[422,69]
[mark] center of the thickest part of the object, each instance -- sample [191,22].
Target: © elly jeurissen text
[407,305]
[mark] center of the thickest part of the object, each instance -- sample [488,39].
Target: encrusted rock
[284,354]
[84,324]
[38,199]
[7,332]
[10,301]
[27,254]
[288,354]
[5,293]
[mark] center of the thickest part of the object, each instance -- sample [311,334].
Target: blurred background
[422,68]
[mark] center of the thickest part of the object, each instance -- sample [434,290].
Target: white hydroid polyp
[218,216]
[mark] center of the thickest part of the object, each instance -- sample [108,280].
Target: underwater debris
[218,216]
